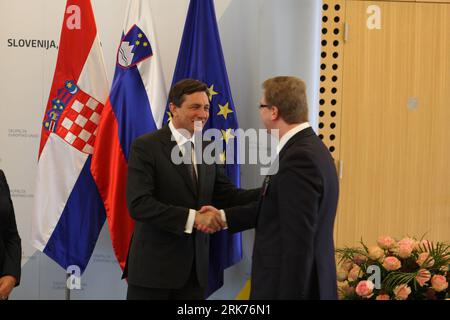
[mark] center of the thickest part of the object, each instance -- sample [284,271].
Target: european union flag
[201,58]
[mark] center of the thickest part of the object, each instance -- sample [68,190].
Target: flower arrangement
[407,269]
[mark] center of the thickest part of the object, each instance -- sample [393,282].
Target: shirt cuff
[190,222]
[224,218]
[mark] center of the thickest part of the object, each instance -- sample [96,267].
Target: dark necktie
[191,165]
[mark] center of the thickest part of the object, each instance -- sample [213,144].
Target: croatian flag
[135,106]
[69,213]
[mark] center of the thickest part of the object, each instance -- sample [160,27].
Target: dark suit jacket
[10,243]
[293,254]
[159,196]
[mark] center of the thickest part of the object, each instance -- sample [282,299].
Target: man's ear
[274,112]
[172,109]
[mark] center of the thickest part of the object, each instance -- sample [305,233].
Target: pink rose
[347,265]
[383,297]
[423,276]
[404,251]
[355,273]
[365,289]
[342,274]
[422,245]
[386,242]
[391,263]
[407,241]
[425,260]
[439,283]
[376,253]
[402,292]
[405,247]
[345,290]
[359,258]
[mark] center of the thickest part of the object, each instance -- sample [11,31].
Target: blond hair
[289,95]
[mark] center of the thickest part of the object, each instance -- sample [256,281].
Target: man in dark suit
[10,243]
[293,254]
[167,258]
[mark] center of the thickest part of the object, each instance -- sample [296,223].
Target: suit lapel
[182,169]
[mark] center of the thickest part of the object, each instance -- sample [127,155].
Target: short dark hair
[289,95]
[185,87]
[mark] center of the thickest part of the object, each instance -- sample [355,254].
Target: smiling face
[195,107]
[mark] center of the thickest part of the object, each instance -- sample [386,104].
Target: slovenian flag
[69,213]
[135,106]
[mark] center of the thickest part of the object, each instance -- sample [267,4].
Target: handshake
[209,220]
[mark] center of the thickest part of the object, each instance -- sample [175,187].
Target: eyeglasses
[264,106]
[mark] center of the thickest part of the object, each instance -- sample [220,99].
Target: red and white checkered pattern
[79,121]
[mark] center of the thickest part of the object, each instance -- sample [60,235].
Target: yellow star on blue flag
[211,91]
[224,110]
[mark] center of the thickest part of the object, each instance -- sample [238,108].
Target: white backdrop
[260,39]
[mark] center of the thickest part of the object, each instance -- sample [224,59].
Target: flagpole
[67,287]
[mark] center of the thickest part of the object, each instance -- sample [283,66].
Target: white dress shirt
[183,143]
[288,135]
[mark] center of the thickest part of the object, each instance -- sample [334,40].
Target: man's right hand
[209,221]
[7,283]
